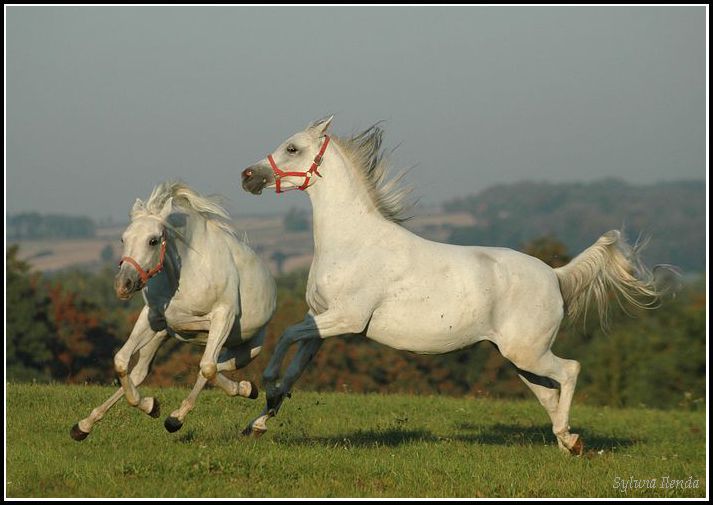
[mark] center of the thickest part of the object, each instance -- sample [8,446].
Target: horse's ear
[167,208]
[137,208]
[320,126]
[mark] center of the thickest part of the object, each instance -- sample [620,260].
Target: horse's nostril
[247,173]
[128,284]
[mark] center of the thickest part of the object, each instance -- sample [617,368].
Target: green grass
[340,445]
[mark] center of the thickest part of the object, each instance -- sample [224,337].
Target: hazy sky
[105,102]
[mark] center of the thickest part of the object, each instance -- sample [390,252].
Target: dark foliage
[68,326]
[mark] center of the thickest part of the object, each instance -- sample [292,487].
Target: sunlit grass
[340,445]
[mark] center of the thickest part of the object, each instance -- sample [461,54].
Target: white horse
[372,277]
[201,284]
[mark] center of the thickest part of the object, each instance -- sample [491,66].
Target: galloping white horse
[201,284]
[372,277]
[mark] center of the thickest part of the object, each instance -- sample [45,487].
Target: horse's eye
[153,241]
[292,149]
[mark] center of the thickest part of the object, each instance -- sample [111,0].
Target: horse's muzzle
[255,178]
[125,285]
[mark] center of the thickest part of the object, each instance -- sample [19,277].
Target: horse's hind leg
[547,393]
[230,359]
[81,430]
[538,374]
[235,359]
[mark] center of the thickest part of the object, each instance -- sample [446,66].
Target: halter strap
[147,274]
[279,174]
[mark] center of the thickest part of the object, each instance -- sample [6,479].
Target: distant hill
[672,213]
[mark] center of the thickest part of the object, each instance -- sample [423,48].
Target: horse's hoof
[253,390]
[578,447]
[77,434]
[156,409]
[252,429]
[172,424]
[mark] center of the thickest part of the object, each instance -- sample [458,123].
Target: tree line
[67,326]
[32,225]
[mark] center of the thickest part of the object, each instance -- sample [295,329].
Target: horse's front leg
[139,370]
[230,359]
[222,320]
[140,337]
[307,350]
[327,324]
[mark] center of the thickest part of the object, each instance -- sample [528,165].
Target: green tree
[296,220]
[107,254]
[28,326]
[548,249]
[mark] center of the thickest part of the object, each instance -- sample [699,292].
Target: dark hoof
[77,434]
[172,424]
[253,390]
[156,409]
[578,448]
[247,431]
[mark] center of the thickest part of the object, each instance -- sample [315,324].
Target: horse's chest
[323,287]
[183,323]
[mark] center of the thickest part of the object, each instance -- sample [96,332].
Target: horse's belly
[427,331]
[196,330]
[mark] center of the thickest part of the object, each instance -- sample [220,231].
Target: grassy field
[342,445]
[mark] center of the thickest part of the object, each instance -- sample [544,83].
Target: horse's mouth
[255,185]
[125,295]
[256,178]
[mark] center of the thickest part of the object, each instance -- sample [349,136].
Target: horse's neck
[181,249]
[342,210]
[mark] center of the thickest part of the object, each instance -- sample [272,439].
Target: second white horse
[201,284]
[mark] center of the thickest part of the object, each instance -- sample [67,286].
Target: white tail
[609,266]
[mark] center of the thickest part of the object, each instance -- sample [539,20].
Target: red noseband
[147,274]
[279,174]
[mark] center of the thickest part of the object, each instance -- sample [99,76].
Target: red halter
[147,274]
[279,174]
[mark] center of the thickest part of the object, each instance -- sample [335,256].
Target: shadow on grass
[498,434]
[512,434]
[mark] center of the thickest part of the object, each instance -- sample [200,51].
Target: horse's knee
[209,371]
[575,367]
[572,368]
[121,366]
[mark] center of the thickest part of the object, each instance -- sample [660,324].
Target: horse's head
[293,165]
[144,242]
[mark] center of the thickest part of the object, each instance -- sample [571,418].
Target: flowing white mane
[186,197]
[366,154]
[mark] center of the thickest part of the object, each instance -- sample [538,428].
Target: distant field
[342,445]
[265,234]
